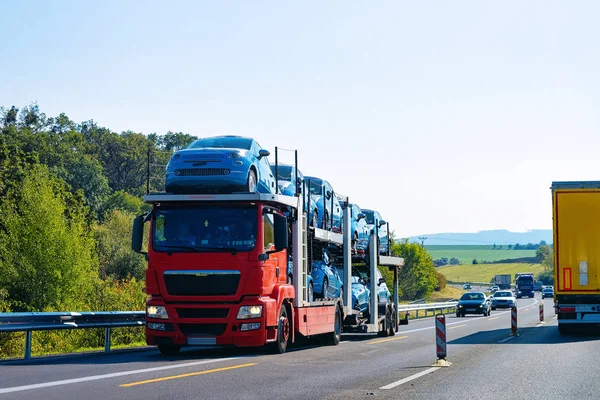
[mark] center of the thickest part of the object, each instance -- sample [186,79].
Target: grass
[466,254]
[485,272]
[449,292]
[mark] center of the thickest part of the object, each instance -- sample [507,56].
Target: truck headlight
[159,312]
[247,312]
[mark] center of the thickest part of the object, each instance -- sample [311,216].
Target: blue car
[319,188]
[384,296]
[360,294]
[382,240]
[326,279]
[287,187]
[309,281]
[220,164]
[358,228]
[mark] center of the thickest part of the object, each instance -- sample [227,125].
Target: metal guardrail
[43,321]
[449,306]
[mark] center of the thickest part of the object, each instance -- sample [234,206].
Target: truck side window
[269,231]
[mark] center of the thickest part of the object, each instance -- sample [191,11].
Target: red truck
[217,273]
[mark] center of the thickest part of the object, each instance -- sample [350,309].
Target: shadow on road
[545,334]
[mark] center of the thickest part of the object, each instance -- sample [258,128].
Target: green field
[485,272]
[466,254]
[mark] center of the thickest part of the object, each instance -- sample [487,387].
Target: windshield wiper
[180,247]
[233,250]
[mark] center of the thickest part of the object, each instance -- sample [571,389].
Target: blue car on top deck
[322,192]
[220,164]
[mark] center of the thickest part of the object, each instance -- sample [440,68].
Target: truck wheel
[168,349]
[283,333]
[335,336]
[386,324]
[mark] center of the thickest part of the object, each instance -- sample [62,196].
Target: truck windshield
[193,229]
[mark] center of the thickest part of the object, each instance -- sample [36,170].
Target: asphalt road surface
[486,363]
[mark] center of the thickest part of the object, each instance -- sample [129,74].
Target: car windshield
[525,279]
[284,172]
[472,296]
[222,142]
[503,294]
[316,186]
[370,218]
[191,229]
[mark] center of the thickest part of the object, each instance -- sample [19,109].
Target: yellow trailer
[576,228]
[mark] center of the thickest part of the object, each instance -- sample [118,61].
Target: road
[486,363]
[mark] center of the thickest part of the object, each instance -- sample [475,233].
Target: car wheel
[289,279]
[355,241]
[251,182]
[283,333]
[311,294]
[326,220]
[315,219]
[342,293]
[324,289]
[493,308]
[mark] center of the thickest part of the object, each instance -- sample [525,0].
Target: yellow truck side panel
[576,241]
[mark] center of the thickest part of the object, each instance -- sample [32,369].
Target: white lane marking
[507,339]
[408,379]
[112,375]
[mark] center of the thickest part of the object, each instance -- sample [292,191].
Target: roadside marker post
[513,321]
[542,312]
[440,341]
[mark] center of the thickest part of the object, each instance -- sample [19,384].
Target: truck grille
[202,329]
[202,283]
[202,312]
[202,172]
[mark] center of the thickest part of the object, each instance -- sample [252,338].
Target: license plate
[470,309]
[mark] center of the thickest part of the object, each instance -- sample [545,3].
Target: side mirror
[381,223]
[360,216]
[137,234]
[381,280]
[263,153]
[281,232]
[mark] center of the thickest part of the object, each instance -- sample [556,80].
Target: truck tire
[386,324]
[334,337]
[394,316]
[168,349]
[284,335]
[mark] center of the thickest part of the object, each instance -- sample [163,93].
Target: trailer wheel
[384,332]
[394,316]
[168,349]
[335,336]
[284,335]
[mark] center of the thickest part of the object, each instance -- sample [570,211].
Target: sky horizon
[443,117]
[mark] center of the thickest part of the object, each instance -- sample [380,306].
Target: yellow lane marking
[166,378]
[387,340]
[489,319]
[457,326]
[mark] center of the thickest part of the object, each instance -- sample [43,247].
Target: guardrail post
[27,345]
[440,341]
[542,311]
[107,340]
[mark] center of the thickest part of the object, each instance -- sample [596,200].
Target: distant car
[548,291]
[467,286]
[538,286]
[494,289]
[220,164]
[503,299]
[473,303]
[322,192]
[382,240]
[326,278]
[358,228]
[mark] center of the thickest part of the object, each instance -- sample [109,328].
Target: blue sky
[444,116]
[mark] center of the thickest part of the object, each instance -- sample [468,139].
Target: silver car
[503,299]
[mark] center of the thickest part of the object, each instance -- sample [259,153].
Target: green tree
[124,201]
[117,260]
[542,252]
[418,277]
[46,252]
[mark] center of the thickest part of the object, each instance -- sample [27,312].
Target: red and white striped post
[513,320]
[542,311]
[440,336]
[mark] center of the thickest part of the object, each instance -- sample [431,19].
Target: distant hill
[498,237]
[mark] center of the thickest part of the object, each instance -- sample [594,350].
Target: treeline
[518,246]
[68,194]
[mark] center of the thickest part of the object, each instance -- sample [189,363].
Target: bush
[441,282]
[547,277]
